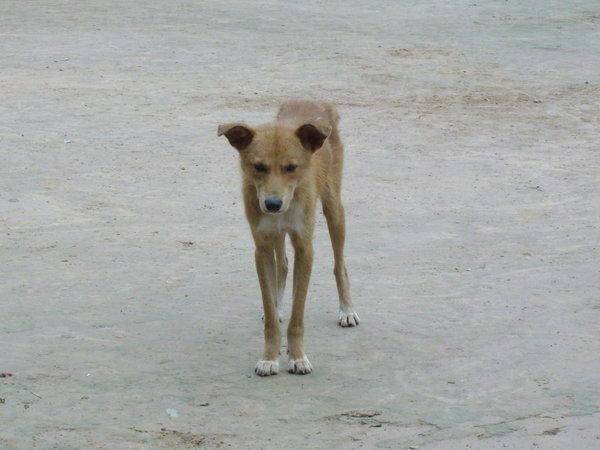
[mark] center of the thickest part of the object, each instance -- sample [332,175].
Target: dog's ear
[239,135]
[312,136]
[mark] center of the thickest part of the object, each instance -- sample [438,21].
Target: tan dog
[286,165]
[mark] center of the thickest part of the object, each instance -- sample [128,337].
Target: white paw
[300,366]
[348,318]
[265,368]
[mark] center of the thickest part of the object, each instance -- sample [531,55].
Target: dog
[286,165]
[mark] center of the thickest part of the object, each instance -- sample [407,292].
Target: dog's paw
[265,368]
[348,318]
[300,366]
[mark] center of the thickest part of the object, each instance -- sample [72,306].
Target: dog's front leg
[265,267]
[298,362]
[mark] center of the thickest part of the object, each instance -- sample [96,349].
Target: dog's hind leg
[334,213]
[282,271]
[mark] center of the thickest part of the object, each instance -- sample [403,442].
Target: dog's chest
[291,221]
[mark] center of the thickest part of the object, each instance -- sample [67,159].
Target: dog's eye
[260,167]
[290,168]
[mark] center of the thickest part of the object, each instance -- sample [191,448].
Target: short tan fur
[286,165]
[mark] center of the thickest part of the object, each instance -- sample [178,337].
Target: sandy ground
[129,305]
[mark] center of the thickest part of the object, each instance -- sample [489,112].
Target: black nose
[273,204]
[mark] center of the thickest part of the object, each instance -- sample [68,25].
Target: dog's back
[296,111]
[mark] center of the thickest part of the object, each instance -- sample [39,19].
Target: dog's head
[274,158]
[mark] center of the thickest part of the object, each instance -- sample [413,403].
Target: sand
[129,304]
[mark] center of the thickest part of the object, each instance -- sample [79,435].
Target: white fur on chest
[291,221]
